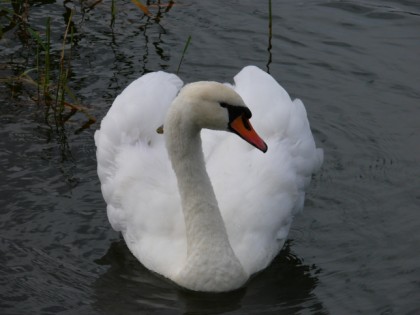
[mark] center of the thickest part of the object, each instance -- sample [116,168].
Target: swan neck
[211,264]
[204,223]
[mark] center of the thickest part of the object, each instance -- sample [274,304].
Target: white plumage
[258,194]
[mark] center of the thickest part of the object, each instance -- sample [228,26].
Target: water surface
[355,65]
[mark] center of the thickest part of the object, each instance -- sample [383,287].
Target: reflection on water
[286,286]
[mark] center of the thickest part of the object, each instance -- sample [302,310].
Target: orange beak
[243,128]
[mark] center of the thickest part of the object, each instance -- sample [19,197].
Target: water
[355,64]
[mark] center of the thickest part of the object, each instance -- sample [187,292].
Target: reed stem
[183,53]
[270,35]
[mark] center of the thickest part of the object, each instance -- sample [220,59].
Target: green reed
[113,12]
[183,53]
[64,67]
[270,35]
[53,90]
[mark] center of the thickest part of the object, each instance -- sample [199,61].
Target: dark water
[356,65]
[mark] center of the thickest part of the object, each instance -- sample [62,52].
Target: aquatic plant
[50,75]
[113,12]
[270,35]
[52,90]
[46,74]
[14,14]
[183,53]
[142,7]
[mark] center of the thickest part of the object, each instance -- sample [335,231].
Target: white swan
[160,196]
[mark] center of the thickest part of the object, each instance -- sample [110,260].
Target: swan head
[216,106]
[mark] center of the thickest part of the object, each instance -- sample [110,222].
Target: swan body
[203,207]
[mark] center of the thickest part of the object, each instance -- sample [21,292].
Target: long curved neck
[204,223]
[211,264]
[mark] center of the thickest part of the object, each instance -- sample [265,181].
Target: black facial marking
[236,111]
[247,125]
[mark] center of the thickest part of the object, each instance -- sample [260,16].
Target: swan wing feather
[260,194]
[137,180]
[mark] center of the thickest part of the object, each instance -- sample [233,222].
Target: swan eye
[235,111]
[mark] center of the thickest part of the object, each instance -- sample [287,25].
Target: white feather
[258,195]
